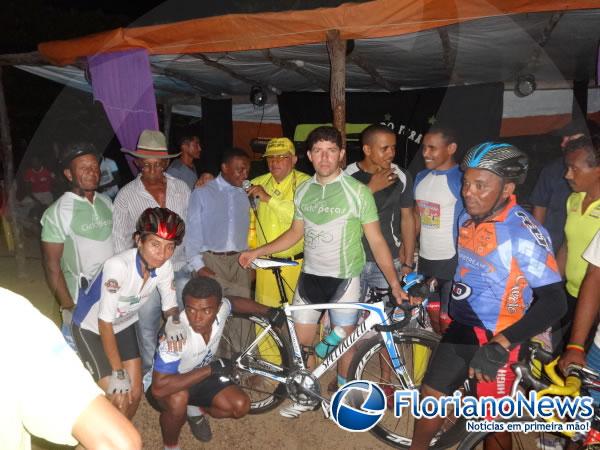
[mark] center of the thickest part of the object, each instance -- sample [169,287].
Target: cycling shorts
[317,289]
[200,394]
[91,351]
[449,366]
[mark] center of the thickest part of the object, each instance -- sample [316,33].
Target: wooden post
[9,184]
[336,48]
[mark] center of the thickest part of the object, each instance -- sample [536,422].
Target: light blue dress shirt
[217,220]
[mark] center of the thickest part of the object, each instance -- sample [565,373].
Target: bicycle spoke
[269,354]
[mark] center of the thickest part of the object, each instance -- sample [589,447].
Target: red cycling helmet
[162,222]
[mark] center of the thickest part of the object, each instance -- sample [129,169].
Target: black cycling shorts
[91,352]
[200,394]
[449,365]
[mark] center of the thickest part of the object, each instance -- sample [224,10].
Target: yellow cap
[279,146]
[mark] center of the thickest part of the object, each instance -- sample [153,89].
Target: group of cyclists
[506,289]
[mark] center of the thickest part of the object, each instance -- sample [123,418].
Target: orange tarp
[237,32]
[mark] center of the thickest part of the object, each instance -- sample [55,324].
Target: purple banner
[122,82]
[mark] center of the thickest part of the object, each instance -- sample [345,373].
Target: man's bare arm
[417,218]
[102,426]
[408,235]
[165,384]
[539,213]
[283,242]
[51,255]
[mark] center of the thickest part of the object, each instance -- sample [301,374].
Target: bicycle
[538,373]
[278,370]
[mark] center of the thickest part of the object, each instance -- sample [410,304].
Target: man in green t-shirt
[76,231]
[332,211]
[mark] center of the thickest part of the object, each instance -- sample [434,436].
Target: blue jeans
[150,319]
[371,277]
[593,361]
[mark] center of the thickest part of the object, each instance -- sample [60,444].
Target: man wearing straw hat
[149,190]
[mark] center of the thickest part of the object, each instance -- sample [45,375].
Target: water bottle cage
[330,348]
[307,350]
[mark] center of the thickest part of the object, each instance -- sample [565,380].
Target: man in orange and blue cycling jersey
[505,259]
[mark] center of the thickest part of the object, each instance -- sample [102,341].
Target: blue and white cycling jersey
[118,292]
[196,352]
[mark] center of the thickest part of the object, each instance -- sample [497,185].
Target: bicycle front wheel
[372,363]
[272,355]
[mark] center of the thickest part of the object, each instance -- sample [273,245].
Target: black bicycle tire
[280,392]
[417,336]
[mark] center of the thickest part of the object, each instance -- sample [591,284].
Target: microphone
[245,186]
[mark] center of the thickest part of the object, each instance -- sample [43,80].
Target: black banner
[474,111]
[217,126]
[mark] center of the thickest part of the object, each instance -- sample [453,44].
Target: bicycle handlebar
[569,387]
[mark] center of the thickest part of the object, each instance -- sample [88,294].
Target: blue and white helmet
[505,160]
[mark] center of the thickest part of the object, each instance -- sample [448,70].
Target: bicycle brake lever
[407,308]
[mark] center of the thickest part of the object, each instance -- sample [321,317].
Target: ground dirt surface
[264,431]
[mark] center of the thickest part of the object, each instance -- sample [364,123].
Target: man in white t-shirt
[46,390]
[586,313]
[185,381]
[438,205]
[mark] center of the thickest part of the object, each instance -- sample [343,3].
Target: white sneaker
[293,410]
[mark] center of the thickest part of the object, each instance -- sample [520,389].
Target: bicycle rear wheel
[415,347]
[271,355]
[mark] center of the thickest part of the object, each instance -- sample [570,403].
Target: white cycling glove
[175,331]
[119,382]
[67,316]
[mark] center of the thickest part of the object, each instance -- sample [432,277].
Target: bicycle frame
[376,317]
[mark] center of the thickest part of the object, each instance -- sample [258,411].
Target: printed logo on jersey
[430,214]
[112,286]
[313,238]
[460,291]
[534,230]
[514,302]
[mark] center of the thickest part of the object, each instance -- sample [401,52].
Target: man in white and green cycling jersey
[76,231]
[332,211]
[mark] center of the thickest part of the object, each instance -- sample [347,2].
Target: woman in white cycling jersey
[106,313]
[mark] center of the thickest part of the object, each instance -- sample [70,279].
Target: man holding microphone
[273,216]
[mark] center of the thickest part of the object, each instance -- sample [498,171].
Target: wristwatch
[411,267]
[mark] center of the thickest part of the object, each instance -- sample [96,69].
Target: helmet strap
[146,265]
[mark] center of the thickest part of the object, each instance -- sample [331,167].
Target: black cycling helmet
[75,150]
[505,160]
[162,222]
